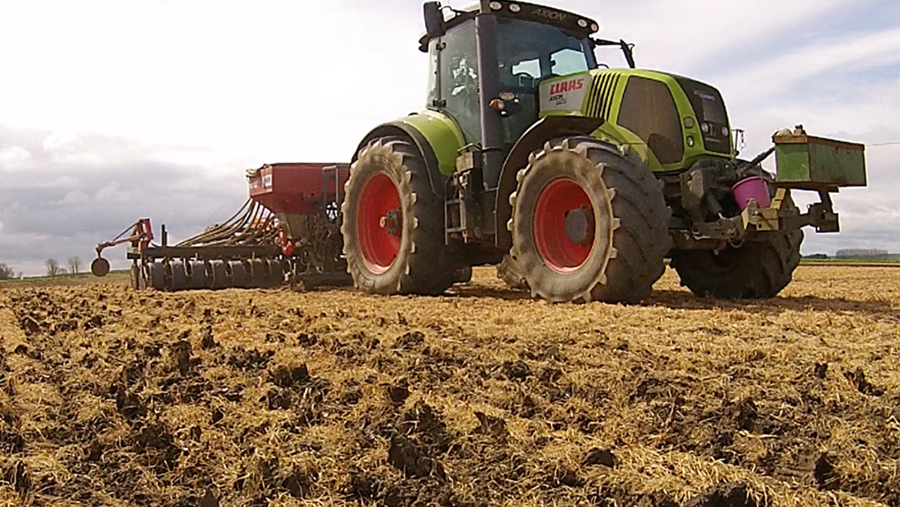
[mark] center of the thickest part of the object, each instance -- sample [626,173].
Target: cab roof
[575,24]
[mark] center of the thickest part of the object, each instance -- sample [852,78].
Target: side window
[530,67]
[649,111]
[459,79]
[432,72]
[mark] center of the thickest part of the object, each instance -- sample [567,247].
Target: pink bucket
[753,187]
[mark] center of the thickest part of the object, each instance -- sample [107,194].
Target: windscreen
[530,52]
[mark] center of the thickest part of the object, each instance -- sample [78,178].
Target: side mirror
[434,20]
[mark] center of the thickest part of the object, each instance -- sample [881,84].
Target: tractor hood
[668,119]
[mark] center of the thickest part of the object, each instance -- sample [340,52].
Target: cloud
[71,203]
[61,142]
[75,197]
[14,157]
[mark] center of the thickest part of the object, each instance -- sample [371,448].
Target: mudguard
[436,136]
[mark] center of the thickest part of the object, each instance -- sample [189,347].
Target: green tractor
[577,180]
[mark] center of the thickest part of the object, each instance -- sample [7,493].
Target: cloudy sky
[113,110]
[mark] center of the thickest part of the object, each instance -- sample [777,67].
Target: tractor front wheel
[589,224]
[393,225]
[755,270]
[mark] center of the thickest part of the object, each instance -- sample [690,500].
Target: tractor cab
[531,44]
[487,65]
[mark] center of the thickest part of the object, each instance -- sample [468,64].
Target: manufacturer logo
[547,13]
[567,86]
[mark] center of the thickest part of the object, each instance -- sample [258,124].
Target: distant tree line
[870,253]
[54,268]
[7,272]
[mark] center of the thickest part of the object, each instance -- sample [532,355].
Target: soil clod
[858,378]
[516,370]
[207,341]
[398,394]
[406,456]
[825,474]
[724,495]
[820,370]
[602,457]
[181,354]
[410,340]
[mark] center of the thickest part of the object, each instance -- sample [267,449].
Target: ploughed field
[482,397]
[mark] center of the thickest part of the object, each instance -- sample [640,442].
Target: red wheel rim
[557,250]
[378,246]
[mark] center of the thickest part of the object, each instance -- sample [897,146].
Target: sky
[114,110]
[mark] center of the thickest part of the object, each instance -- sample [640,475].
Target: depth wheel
[588,224]
[393,225]
[755,270]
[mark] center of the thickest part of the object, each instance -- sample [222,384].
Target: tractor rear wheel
[393,225]
[755,270]
[589,224]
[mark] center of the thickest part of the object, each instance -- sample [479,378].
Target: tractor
[577,180]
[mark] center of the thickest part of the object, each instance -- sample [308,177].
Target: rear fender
[542,131]
[435,135]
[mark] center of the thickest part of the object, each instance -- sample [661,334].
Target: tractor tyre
[463,275]
[589,224]
[755,270]
[511,273]
[393,225]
